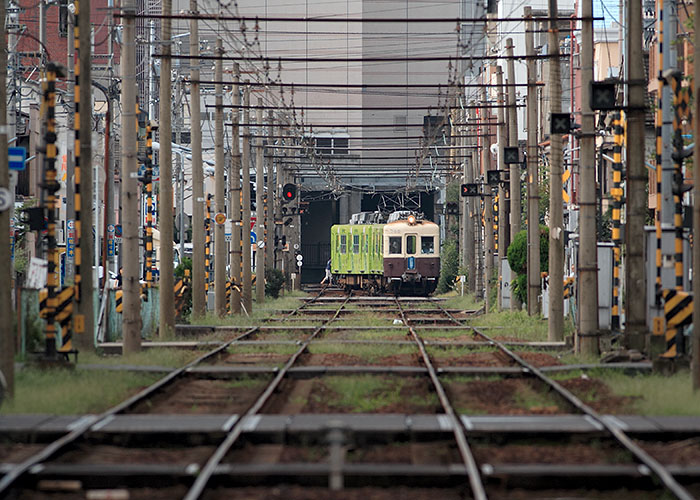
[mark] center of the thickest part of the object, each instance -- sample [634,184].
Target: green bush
[449,264]
[517,259]
[274,281]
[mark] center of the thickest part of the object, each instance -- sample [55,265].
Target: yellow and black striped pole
[51,186]
[207,245]
[681,108]
[78,323]
[617,196]
[148,186]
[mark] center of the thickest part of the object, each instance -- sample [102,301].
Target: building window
[327,146]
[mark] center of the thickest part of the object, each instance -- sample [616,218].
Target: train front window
[410,244]
[427,244]
[355,243]
[394,244]
[343,243]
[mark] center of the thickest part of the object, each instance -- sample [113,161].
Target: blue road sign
[253,238]
[16,157]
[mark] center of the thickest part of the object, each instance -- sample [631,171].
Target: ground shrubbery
[517,259]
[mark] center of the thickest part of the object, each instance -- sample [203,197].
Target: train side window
[343,243]
[410,244]
[394,244]
[355,243]
[427,244]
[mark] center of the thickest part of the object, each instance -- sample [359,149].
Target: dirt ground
[200,396]
[684,452]
[105,454]
[340,359]
[551,453]
[494,359]
[301,493]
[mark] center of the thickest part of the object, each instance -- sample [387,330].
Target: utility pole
[556,201]
[219,194]
[246,286]
[533,189]
[696,213]
[131,317]
[84,320]
[199,299]
[468,220]
[270,198]
[635,271]
[7,335]
[70,170]
[503,209]
[588,328]
[235,185]
[515,198]
[259,207]
[488,204]
[165,208]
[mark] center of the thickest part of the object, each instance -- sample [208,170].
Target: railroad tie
[678,312]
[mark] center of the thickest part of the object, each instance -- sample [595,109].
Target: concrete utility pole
[219,184]
[247,284]
[588,329]
[488,204]
[235,190]
[635,270]
[131,318]
[84,324]
[503,208]
[468,220]
[165,207]
[7,337]
[696,214]
[259,207]
[515,198]
[533,188]
[556,202]
[199,299]
[269,203]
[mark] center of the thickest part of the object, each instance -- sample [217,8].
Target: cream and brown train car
[411,251]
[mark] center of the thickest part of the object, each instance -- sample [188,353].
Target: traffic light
[289,192]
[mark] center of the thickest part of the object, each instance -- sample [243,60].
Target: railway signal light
[493,177]
[289,192]
[470,190]
[603,95]
[511,155]
[560,123]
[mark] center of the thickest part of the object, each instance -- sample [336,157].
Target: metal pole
[131,317]
[270,198]
[588,328]
[515,198]
[259,208]
[246,286]
[503,231]
[7,337]
[199,303]
[533,188]
[83,322]
[235,184]
[488,208]
[468,222]
[556,202]
[70,125]
[696,216]
[219,191]
[165,207]
[635,271]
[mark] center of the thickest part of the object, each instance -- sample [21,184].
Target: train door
[411,250]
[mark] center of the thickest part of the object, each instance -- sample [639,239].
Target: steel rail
[655,466]
[83,427]
[473,473]
[209,469]
[304,304]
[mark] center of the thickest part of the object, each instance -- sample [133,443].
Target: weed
[368,352]
[168,357]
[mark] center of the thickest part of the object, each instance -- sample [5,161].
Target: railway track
[263,413]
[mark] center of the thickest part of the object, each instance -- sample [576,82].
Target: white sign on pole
[38,272]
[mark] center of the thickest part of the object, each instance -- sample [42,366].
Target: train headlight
[411,219]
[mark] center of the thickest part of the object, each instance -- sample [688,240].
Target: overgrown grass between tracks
[72,392]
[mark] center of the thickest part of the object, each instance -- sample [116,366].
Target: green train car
[356,255]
